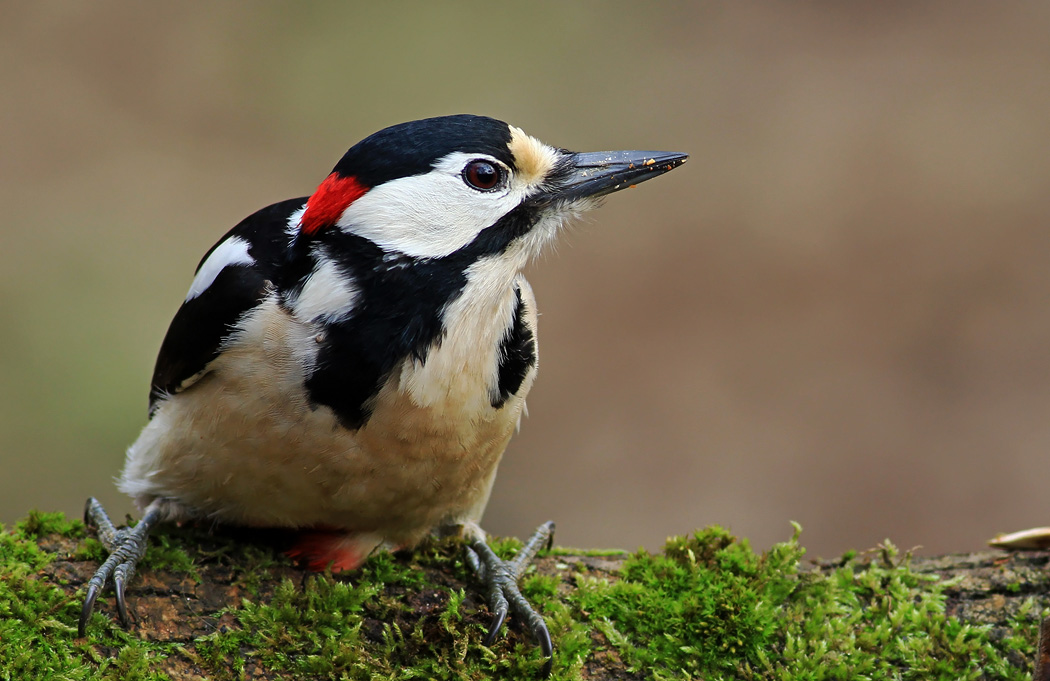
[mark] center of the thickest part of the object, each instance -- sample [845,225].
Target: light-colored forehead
[533,159]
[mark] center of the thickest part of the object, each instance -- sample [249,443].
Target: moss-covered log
[221,606]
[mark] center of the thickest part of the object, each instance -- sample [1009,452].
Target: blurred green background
[837,313]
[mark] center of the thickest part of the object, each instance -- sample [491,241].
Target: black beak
[598,173]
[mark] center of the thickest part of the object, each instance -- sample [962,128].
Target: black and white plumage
[353,363]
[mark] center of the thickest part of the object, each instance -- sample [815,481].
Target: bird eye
[482,175]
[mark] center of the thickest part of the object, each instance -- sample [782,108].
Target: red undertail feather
[332,197]
[341,551]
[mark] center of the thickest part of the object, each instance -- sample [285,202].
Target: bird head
[467,185]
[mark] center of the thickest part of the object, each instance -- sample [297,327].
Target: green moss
[711,608]
[40,524]
[367,626]
[880,620]
[707,607]
[167,552]
[314,630]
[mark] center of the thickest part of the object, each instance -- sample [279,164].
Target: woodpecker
[352,364]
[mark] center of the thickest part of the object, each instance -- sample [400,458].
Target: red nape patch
[329,202]
[320,549]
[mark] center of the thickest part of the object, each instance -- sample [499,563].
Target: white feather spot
[233,251]
[328,294]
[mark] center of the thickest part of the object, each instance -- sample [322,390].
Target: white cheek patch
[233,251]
[431,215]
[328,295]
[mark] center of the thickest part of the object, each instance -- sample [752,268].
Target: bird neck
[433,326]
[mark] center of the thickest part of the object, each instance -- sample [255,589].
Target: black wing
[199,327]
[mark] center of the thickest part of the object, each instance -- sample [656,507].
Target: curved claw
[122,606]
[95,586]
[85,612]
[121,576]
[497,623]
[547,648]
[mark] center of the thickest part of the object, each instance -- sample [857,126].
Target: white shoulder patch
[233,251]
[327,294]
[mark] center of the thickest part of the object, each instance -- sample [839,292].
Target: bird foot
[500,581]
[126,545]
